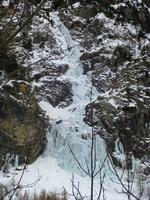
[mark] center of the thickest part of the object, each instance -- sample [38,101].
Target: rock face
[58,93]
[116,55]
[101,114]
[54,90]
[133,129]
[129,123]
[114,36]
[22,125]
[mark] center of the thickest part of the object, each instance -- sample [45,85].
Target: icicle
[119,153]
[5,168]
[16,161]
[119,149]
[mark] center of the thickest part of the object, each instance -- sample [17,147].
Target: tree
[16,23]
[92,169]
[92,172]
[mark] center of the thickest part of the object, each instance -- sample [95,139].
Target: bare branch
[86,161]
[101,167]
[27,21]
[122,184]
[88,174]
[77,190]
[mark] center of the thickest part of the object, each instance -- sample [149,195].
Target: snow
[132,104]
[56,165]
[5,3]
[112,102]
[76,5]
[116,6]
[10,83]
[47,175]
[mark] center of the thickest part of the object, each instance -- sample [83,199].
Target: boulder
[22,124]
[86,12]
[8,62]
[101,114]
[121,54]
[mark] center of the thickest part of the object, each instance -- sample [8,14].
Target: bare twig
[81,167]
[77,196]
[27,21]
[128,192]
[17,186]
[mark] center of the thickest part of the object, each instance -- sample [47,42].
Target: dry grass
[44,196]
[27,196]
[50,196]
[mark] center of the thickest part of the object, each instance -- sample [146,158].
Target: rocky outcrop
[116,55]
[102,115]
[57,93]
[147,2]
[129,123]
[132,12]
[124,113]
[133,130]
[136,15]
[22,124]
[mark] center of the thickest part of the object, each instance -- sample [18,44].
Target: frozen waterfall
[72,126]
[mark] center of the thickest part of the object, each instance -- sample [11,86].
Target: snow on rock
[55,167]
[66,125]
[5,3]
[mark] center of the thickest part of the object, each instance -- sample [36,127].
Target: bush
[50,196]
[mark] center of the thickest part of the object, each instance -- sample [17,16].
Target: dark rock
[35,2]
[87,55]
[133,130]
[86,12]
[27,44]
[102,114]
[147,171]
[136,15]
[43,38]
[120,55]
[8,63]
[130,124]
[51,71]
[147,2]
[58,93]
[22,124]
